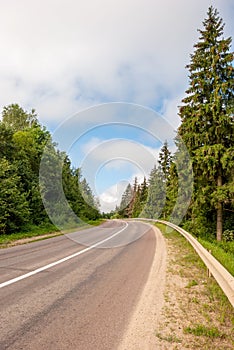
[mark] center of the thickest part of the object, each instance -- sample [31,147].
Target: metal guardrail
[221,275]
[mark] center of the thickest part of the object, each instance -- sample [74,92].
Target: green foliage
[14,117]
[91,205]
[165,160]
[171,191]
[67,198]
[22,143]
[228,236]
[28,231]
[192,284]
[202,330]
[156,195]
[126,202]
[36,231]
[133,200]
[207,127]
[222,251]
[136,207]
[6,142]
[29,145]
[14,209]
[140,199]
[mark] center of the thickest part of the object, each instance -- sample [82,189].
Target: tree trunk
[219,227]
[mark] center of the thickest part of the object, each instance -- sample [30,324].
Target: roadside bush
[228,235]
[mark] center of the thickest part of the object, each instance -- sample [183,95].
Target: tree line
[153,198]
[22,143]
[207,131]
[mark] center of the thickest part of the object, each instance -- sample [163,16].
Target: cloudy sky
[64,56]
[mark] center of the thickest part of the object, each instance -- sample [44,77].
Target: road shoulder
[140,333]
[181,306]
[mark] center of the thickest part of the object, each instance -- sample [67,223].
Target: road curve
[83,302]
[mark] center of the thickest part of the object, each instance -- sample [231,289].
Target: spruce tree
[126,199]
[171,191]
[136,208]
[130,206]
[156,195]
[165,160]
[139,198]
[144,193]
[207,127]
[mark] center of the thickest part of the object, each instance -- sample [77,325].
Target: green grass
[30,231]
[192,284]
[181,242]
[96,222]
[202,330]
[213,290]
[222,251]
[213,316]
[171,338]
[37,231]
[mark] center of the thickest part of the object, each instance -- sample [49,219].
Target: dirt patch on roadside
[181,307]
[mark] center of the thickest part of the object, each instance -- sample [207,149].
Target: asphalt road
[61,294]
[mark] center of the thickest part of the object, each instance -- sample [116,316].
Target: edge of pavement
[140,332]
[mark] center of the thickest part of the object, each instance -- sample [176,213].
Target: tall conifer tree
[207,127]
[165,160]
[156,195]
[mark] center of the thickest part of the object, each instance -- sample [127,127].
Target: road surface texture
[61,294]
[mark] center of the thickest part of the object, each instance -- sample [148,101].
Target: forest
[22,143]
[207,131]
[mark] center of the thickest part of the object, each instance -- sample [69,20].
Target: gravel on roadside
[181,306]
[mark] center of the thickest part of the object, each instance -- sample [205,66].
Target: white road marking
[43,268]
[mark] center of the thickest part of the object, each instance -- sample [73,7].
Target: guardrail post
[209,274]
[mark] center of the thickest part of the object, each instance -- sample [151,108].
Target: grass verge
[196,312]
[222,251]
[29,232]
[38,233]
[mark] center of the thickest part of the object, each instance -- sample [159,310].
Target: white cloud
[91,145]
[117,161]
[109,152]
[111,197]
[62,56]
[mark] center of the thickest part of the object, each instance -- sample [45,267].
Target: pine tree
[90,211]
[165,160]
[181,177]
[125,201]
[140,198]
[130,206]
[207,127]
[171,191]
[136,209]
[144,194]
[156,195]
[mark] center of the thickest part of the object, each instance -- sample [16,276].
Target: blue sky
[63,57]
[113,143]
